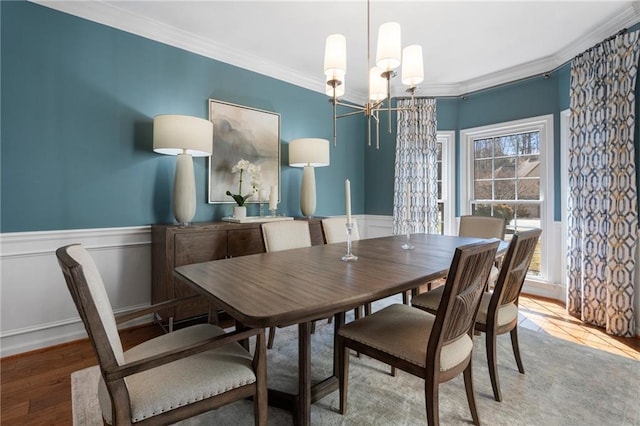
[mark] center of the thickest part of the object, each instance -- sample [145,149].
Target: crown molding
[111,15]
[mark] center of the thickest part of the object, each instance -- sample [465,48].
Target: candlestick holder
[273,212]
[407,244]
[349,256]
[261,210]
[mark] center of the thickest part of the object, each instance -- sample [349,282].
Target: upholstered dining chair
[335,230]
[168,378]
[436,347]
[284,235]
[483,227]
[498,313]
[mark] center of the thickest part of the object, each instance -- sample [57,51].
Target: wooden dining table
[299,286]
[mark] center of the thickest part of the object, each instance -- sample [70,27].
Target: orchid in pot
[254,172]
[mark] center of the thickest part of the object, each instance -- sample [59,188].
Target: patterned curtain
[416,169]
[602,199]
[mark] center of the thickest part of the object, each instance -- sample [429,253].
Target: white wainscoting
[37,310]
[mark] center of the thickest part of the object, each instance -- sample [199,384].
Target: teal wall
[78,100]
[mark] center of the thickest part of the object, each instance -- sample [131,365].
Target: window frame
[542,124]
[447,138]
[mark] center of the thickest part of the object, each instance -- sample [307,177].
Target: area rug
[565,384]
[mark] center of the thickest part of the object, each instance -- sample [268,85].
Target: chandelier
[389,56]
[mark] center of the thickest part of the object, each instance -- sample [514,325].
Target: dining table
[299,286]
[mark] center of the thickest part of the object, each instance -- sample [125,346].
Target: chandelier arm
[348,114]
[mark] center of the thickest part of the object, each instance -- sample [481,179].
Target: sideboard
[177,245]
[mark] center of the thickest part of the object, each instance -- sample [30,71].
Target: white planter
[239,212]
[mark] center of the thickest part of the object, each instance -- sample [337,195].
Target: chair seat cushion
[403,331]
[430,300]
[192,379]
[506,313]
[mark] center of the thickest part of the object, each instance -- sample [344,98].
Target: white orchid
[254,173]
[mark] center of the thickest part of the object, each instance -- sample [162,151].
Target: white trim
[542,124]
[448,140]
[108,13]
[37,310]
[564,187]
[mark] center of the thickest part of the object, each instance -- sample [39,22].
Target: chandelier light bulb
[389,48]
[412,67]
[377,85]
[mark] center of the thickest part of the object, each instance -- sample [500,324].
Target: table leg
[303,414]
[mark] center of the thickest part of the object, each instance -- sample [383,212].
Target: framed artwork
[242,133]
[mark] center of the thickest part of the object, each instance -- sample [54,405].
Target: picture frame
[241,132]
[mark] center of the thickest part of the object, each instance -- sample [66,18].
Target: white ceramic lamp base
[308,192]
[184,190]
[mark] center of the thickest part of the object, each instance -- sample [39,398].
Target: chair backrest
[91,299]
[335,230]
[482,227]
[286,234]
[462,293]
[514,268]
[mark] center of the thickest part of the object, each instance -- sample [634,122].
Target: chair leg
[343,380]
[367,309]
[516,348]
[471,399]
[272,336]
[493,363]
[405,297]
[431,389]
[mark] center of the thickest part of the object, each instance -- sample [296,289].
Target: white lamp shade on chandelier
[389,46]
[308,153]
[186,137]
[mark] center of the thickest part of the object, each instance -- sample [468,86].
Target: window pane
[482,190]
[483,148]
[505,189]
[529,189]
[506,145]
[529,166]
[505,167]
[482,169]
[529,143]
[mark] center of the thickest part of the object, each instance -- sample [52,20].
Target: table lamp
[185,137]
[308,153]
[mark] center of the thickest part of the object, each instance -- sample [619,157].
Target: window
[506,175]
[446,183]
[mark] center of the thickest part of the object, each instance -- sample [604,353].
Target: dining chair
[483,227]
[335,231]
[284,235]
[171,377]
[498,312]
[436,347]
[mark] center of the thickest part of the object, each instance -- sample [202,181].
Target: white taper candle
[347,198]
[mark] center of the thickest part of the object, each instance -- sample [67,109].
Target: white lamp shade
[335,57]
[339,89]
[177,134]
[389,46]
[309,152]
[412,68]
[377,85]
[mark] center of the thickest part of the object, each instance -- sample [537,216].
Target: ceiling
[467,45]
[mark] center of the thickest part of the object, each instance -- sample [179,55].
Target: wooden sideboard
[175,245]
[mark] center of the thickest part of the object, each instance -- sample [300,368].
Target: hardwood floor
[36,386]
